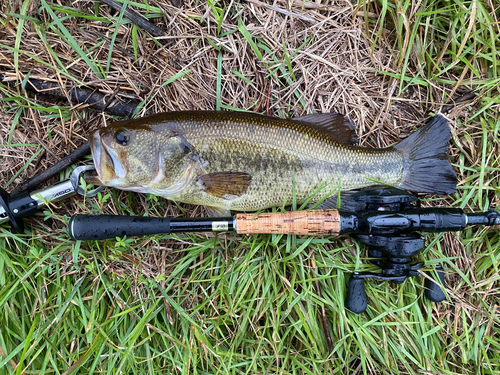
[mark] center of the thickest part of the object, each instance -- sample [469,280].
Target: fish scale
[285,149]
[205,157]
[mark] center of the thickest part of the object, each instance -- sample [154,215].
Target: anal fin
[328,204]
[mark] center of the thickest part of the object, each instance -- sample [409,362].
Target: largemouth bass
[248,162]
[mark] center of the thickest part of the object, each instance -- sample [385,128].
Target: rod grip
[311,222]
[101,227]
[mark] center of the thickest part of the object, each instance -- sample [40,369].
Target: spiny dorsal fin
[225,185]
[337,127]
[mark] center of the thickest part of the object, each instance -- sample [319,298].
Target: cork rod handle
[313,222]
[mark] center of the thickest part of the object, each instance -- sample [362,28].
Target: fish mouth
[95,149]
[106,160]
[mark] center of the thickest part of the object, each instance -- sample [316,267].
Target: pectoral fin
[335,126]
[225,185]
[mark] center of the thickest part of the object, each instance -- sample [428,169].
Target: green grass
[198,304]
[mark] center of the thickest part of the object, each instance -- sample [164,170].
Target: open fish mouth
[95,149]
[106,161]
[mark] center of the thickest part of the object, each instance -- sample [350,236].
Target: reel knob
[434,289]
[356,300]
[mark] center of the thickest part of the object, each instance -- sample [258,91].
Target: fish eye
[122,137]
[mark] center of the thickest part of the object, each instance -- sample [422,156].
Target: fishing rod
[387,220]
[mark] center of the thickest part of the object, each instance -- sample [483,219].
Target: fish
[239,161]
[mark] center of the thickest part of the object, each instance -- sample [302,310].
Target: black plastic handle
[356,300]
[434,288]
[101,227]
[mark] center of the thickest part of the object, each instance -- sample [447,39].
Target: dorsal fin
[337,127]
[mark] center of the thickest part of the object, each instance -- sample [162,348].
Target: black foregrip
[101,227]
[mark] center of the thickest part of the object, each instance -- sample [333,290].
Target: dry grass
[332,68]
[294,58]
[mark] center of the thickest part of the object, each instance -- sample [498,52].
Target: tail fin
[427,169]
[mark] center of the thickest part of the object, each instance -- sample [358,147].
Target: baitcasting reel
[391,243]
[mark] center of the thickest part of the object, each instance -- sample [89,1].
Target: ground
[199,303]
